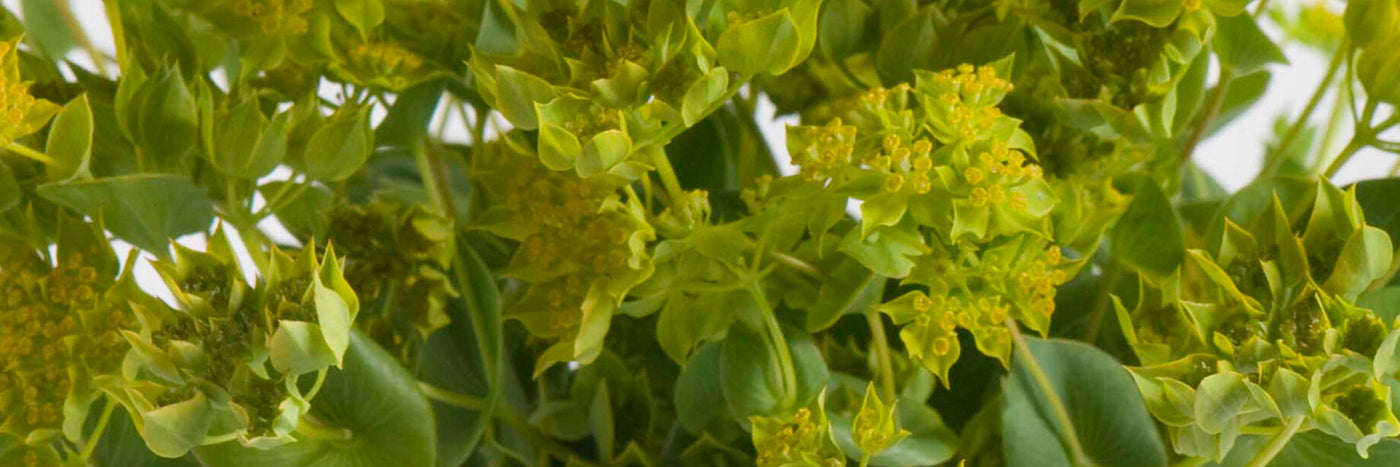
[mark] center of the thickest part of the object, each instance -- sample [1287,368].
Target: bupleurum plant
[695,233]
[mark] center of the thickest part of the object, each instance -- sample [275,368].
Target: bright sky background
[1233,156]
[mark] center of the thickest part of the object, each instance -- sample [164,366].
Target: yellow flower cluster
[828,148]
[596,119]
[275,16]
[801,435]
[385,57]
[51,321]
[966,101]
[993,172]
[570,241]
[15,100]
[1039,281]
[937,318]
[906,167]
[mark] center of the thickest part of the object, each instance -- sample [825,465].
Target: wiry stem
[1070,436]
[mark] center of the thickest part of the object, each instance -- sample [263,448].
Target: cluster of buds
[821,150]
[401,255]
[386,65]
[275,16]
[56,327]
[20,112]
[1279,326]
[962,103]
[803,439]
[385,57]
[581,247]
[874,428]
[906,167]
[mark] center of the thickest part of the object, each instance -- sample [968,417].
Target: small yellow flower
[894,183]
[973,175]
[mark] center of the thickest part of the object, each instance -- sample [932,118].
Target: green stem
[97,432]
[538,439]
[1217,100]
[1277,443]
[1334,123]
[312,427]
[882,351]
[1297,126]
[1192,462]
[1357,142]
[783,352]
[668,176]
[1101,302]
[455,399]
[1071,437]
[75,30]
[114,17]
[798,264]
[30,153]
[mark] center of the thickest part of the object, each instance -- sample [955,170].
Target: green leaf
[364,15]
[1311,449]
[9,188]
[517,92]
[888,251]
[168,122]
[497,33]
[453,358]
[698,392]
[1365,257]
[930,442]
[146,210]
[122,446]
[851,288]
[1369,21]
[1156,13]
[1242,46]
[246,145]
[341,146]
[600,420]
[769,44]
[303,213]
[1110,420]
[844,27]
[1380,200]
[373,398]
[912,44]
[1378,68]
[45,22]
[750,378]
[1148,234]
[703,93]
[70,141]
[408,120]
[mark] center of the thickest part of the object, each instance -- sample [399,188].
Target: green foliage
[612,269]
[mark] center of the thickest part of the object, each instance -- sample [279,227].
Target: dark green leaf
[146,210]
[1148,235]
[372,397]
[1242,47]
[1109,417]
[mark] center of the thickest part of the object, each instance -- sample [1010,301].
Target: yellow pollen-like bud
[978,197]
[996,194]
[891,142]
[920,183]
[894,183]
[922,164]
[941,346]
[922,303]
[973,175]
